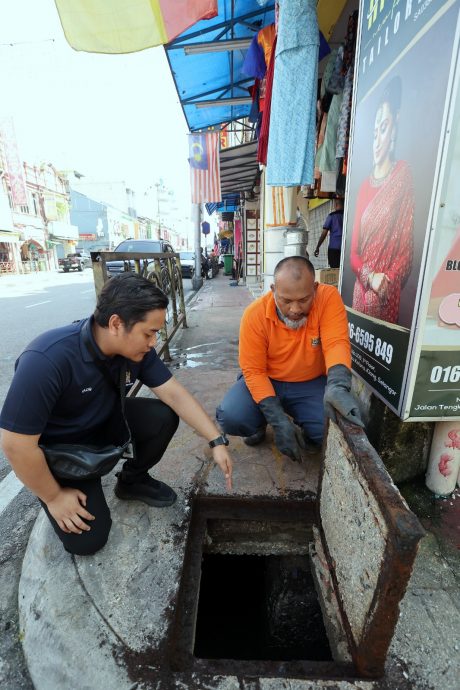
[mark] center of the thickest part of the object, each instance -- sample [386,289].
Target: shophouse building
[35,226]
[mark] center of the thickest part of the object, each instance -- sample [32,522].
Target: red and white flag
[204,167]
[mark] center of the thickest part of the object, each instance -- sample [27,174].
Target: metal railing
[7,267]
[164,270]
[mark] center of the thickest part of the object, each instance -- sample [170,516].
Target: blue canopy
[230,202]
[216,76]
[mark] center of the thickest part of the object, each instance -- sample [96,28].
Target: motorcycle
[209,267]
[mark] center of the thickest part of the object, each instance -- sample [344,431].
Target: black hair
[130,296]
[297,262]
[392,95]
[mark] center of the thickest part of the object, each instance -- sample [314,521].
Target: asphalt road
[29,305]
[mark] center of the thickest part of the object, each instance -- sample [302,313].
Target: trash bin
[228,264]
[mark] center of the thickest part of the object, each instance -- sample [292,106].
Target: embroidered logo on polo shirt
[315,341]
[87,390]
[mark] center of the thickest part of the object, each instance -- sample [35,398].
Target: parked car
[187,264]
[85,257]
[72,262]
[147,246]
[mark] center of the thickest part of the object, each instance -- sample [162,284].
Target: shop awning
[239,171]
[9,237]
[206,63]
[230,202]
[32,242]
[238,168]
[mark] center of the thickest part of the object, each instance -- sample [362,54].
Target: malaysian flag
[204,167]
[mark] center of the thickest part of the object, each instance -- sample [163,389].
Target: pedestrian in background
[333,225]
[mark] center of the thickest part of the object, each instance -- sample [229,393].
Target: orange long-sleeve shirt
[269,349]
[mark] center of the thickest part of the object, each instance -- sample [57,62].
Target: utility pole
[197,280]
[158,186]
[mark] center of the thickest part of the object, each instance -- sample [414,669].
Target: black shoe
[256,438]
[146,489]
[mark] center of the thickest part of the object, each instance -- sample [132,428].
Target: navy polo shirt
[334,223]
[58,390]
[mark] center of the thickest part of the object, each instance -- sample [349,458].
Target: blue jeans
[239,415]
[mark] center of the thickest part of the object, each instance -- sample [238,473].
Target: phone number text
[366,340]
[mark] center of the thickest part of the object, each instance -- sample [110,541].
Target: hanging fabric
[262,148]
[280,206]
[291,146]
[343,129]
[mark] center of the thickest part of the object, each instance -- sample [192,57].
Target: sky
[110,117]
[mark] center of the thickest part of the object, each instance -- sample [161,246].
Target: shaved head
[293,268]
[294,290]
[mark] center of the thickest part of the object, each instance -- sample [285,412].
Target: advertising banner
[87,236]
[402,76]
[6,219]
[436,375]
[13,162]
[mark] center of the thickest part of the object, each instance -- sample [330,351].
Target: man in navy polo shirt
[334,226]
[60,394]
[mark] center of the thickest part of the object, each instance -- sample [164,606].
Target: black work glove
[288,437]
[337,395]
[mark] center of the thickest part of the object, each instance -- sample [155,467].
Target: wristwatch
[219,441]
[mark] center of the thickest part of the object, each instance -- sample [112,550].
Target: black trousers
[333,257]
[152,425]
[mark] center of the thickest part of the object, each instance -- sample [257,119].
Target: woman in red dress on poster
[382,239]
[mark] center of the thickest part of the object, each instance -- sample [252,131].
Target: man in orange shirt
[295,358]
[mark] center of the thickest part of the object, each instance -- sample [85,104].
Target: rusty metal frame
[181,639]
[404,534]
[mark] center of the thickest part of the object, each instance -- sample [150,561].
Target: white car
[187,264]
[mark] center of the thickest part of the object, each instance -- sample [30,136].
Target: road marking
[37,304]
[9,489]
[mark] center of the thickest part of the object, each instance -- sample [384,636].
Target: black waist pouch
[71,461]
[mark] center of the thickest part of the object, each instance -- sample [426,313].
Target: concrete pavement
[112,621]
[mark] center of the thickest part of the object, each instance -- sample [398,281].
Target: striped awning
[239,168]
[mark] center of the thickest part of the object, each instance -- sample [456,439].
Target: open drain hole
[247,603]
[259,607]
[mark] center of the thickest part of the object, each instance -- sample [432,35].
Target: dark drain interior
[259,607]
[247,603]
